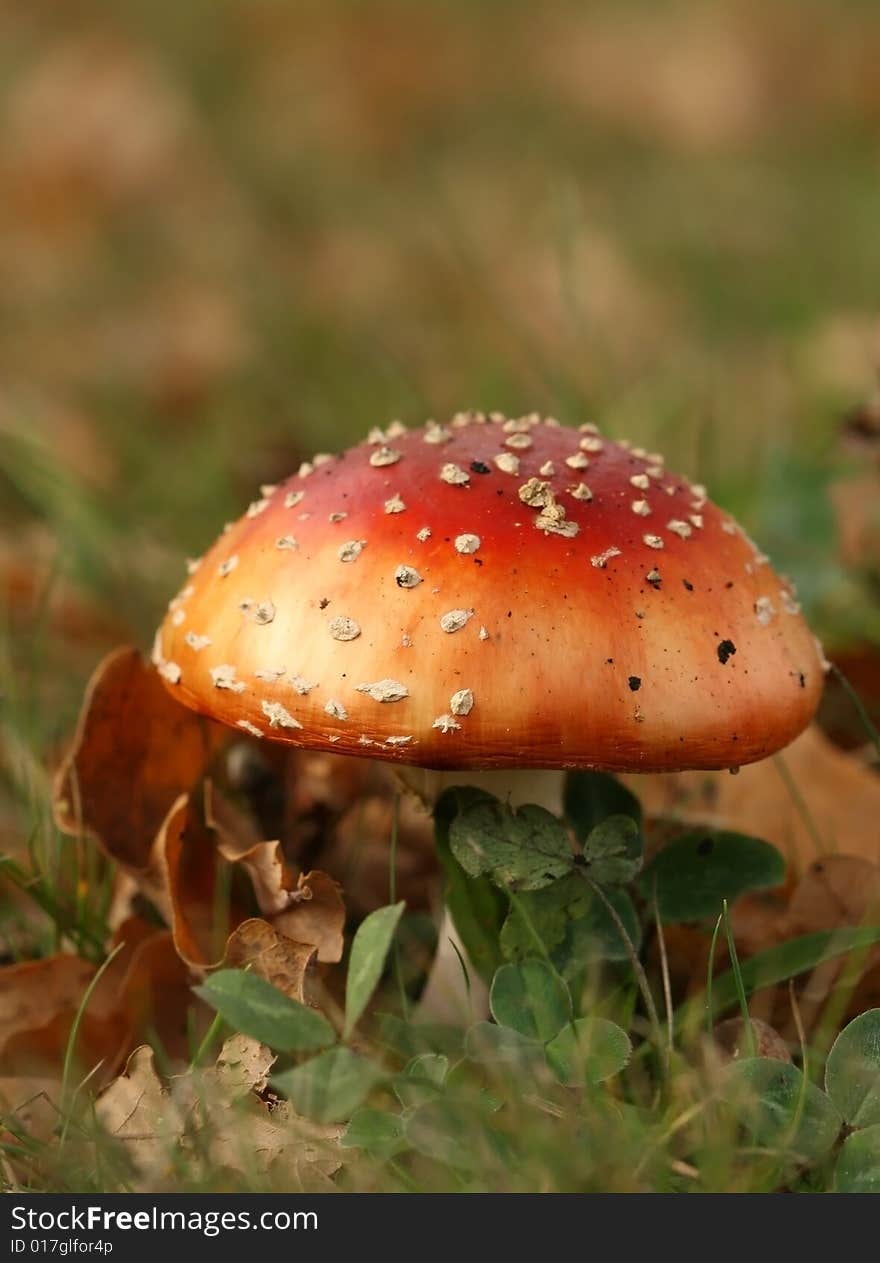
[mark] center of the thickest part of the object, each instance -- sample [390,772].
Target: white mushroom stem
[446,998]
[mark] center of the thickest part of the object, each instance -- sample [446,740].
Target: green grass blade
[776,965]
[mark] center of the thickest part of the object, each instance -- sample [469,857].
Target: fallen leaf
[315,915]
[273,956]
[28,1105]
[137,757]
[306,907]
[135,1103]
[40,1001]
[145,988]
[839,718]
[214,1122]
[203,874]
[836,805]
[135,751]
[137,1110]
[155,992]
[204,904]
[359,854]
[839,890]
[243,1065]
[32,991]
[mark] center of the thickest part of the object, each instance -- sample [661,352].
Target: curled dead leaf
[135,751]
[204,900]
[315,915]
[155,992]
[209,886]
[307,907]
[273,956]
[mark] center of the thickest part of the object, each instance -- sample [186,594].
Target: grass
[235,234]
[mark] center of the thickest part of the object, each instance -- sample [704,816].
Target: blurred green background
[232,233]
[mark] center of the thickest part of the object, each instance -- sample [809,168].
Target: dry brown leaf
[40,1001]
[243,1065]
[137,754]
[239,1132]
[841,799]
[214,1121]
[135,751]
[204,905]
[315,915]
[155,992]
[273,956]
[357,853]
[136,1104]
[206,900]
[839,890]
[32,1104]
[273,879]
[236,827]
[145,988]
[32,991]
[840,719]
[40,1050]
[137,1110]
[247,1137]
[308,908]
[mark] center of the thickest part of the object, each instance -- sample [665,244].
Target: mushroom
[460,599]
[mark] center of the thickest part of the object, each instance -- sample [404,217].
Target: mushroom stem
[447,997]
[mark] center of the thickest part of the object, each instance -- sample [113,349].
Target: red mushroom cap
[495,593]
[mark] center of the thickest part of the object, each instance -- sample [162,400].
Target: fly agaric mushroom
[494,594]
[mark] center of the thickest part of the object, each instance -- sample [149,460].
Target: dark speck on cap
[726,650]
